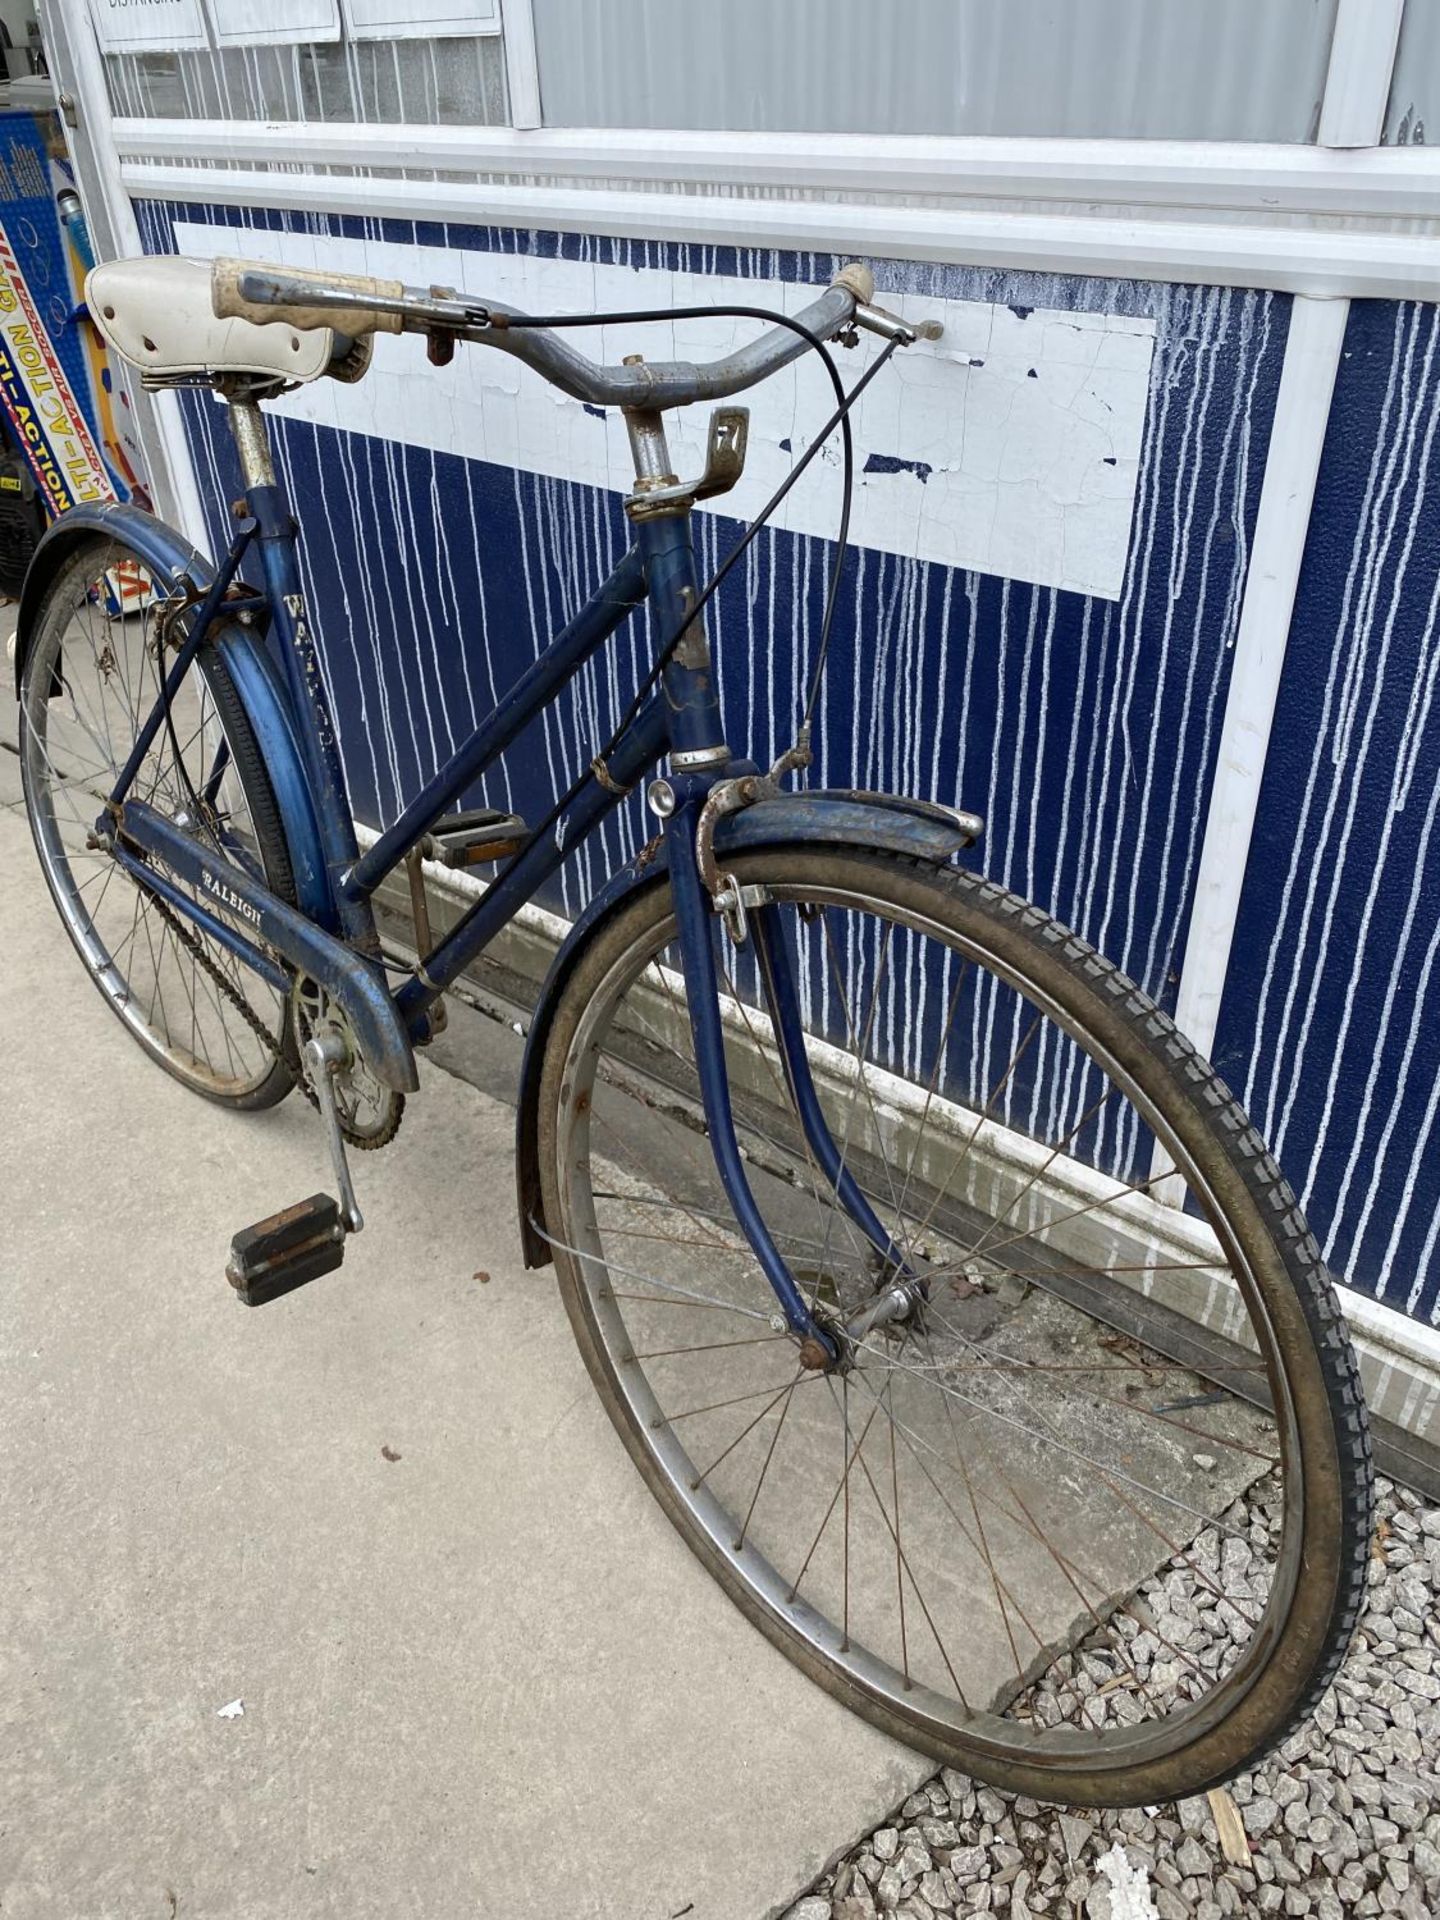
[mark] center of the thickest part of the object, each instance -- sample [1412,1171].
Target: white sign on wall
[168,26]
[1010,445]
[420,19]
[253,23]
[144,26]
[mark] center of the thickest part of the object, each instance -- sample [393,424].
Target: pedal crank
[325,1056]
[307,1240]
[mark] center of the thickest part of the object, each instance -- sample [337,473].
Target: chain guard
[357,1092]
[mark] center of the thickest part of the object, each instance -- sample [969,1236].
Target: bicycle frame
[337,944]
[659,567]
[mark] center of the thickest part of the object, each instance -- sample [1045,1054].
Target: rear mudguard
[178,567]
[839,819]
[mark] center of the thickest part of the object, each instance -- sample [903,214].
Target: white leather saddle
[157,314]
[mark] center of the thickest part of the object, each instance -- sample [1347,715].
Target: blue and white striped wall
[1085,725]
[1330,1022]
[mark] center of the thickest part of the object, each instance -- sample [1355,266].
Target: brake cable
[840,417]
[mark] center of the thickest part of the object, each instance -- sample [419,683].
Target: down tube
[643,743]
[613,602]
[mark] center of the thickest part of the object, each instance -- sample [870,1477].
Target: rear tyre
[92,673]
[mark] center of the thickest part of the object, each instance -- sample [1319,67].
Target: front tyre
[1094,1524]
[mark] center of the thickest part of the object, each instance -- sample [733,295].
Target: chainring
[370,1112]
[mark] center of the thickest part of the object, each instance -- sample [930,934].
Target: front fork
[900,1289]
[695,916]
[698,756]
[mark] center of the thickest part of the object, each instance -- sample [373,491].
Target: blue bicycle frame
[331,934]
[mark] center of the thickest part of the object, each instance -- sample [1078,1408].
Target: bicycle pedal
[480,834]
[277,1255]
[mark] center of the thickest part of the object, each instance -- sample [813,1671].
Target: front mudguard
[180,568]
[879,821]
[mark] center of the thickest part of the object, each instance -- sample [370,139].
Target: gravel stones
[1343,1820]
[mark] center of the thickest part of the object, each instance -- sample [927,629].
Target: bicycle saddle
[157,314]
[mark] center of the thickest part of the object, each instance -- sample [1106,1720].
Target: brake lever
[890,326]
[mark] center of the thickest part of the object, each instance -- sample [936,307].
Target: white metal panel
[1302,411]
[1415,86]
[254,23]
[522,74]
[1175,69]
[129,26]
[1274,181]
[420,19]
[1375,265]
[1357,85]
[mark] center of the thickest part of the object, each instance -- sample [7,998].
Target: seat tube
[277,538]
[662,533]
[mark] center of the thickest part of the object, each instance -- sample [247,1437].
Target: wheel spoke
[90,680]
[1026,1499]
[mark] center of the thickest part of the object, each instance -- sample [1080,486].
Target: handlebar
[356,305]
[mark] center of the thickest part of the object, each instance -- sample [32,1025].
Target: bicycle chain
[232,993]
[257,1026]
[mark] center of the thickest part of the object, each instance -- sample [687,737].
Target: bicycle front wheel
[94,669]
[1091,1524]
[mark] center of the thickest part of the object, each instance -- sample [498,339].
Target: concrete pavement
[483,1678]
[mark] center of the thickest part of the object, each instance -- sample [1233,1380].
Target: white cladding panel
[1010,446]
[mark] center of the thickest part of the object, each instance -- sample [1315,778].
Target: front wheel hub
[897,1303]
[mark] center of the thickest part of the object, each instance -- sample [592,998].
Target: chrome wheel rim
[604,1234]
[105,662]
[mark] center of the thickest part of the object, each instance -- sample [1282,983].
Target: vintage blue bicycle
[944,1297]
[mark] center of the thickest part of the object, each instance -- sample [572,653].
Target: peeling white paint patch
[1010,446]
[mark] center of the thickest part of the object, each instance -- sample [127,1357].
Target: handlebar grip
[246,290]
[857,279]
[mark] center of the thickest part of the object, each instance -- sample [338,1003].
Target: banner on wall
[43,409]
[1010,446]
[55,388]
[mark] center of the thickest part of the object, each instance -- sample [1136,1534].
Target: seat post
[252,441]
[647,444]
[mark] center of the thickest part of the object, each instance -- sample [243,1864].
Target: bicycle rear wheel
[1094,1525]
[93,671]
